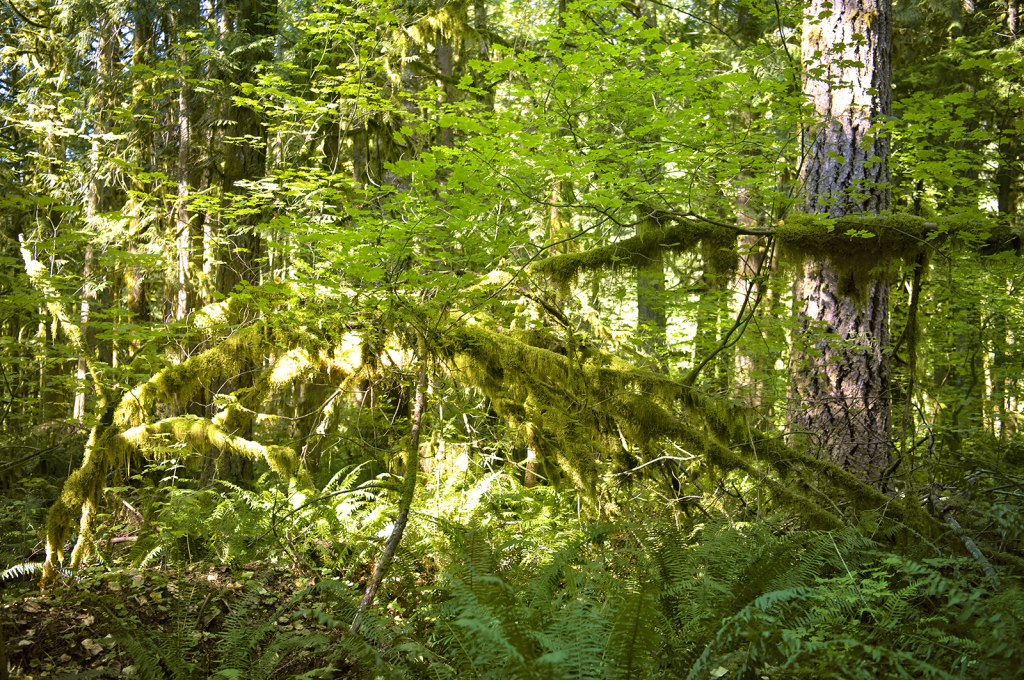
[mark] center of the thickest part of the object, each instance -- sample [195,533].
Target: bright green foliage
[230,240]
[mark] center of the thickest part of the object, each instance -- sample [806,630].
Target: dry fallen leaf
[31,607]
[91,647]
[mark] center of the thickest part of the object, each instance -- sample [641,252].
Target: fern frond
[21,570]
[634,640]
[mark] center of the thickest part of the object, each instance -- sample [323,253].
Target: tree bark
[840,372]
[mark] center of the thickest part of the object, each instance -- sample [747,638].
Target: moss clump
[853,243]
[577,405]
[721,256]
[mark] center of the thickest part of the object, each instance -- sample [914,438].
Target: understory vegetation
[497,581]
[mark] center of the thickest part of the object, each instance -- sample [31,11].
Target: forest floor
[108,623]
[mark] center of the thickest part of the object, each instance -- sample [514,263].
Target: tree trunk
[184,222]
[412,465]
[651,314]
[97,202]
[840,373]
[244,160]
[483,47]
[651,317]
[1008,194]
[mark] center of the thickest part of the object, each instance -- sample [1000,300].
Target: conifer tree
[841,373]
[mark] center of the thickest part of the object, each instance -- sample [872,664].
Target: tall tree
[841,373]
[246,26]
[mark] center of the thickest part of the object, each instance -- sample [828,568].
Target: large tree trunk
[841,375]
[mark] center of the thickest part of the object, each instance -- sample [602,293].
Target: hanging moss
[110,448]
[296,354]
[582,404]
[720,254]
[583,407]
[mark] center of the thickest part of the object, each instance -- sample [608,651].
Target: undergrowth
[496,581]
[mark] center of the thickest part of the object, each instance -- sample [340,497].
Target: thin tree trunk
[1008,193]
[96,203]
[446,67]
[412,464]
[483,47]
[185,299]
[749,362]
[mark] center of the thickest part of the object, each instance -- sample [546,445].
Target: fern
[21,571]
[633,635]
[157,655]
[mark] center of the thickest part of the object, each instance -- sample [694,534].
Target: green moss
[578,410]
[721,256]
[852,243]
[635,252]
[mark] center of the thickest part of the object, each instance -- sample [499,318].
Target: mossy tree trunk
[651,317]
[250,24]
[651,312]
[840,371]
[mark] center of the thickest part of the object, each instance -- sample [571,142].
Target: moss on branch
[633,253]
[862,242]
[583,405]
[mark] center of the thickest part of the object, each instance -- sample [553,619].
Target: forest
[511,339]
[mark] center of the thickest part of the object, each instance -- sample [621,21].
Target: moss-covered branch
[633,253]
[862,242]
[584,403]
[110,448]
[294,353]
